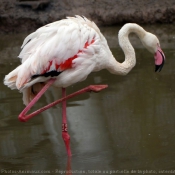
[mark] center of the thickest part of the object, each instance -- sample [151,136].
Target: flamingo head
[151,42]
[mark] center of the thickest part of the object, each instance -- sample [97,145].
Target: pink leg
[65,134]
[23,117]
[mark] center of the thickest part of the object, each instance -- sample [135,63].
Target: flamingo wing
[54,48]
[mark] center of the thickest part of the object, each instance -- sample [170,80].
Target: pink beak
[159,59]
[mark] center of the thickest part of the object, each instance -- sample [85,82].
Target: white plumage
[73,48]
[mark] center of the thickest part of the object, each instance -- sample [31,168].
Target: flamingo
[65,52]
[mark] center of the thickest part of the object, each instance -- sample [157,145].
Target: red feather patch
[68,63]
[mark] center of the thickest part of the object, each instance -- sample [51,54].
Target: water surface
[129,127]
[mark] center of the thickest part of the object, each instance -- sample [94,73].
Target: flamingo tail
[11,78]
[18,79]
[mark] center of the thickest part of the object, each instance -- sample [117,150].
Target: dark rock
[28,15]
[34,4]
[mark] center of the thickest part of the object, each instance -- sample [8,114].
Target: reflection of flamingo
[68,168]
[66,52]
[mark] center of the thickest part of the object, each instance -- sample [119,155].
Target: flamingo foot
[97,88]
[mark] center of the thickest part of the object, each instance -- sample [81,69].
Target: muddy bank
[27,15]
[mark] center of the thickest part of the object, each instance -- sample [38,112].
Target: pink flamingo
[66,52]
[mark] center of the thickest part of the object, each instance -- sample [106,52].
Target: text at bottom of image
[56,171]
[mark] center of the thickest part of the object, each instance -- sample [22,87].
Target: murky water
[127,128]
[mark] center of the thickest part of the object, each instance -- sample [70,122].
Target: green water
[125,129]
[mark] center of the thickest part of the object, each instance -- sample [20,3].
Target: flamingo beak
[159,59]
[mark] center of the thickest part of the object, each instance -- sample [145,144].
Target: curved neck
[130,59]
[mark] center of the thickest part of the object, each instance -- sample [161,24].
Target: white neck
[130,59]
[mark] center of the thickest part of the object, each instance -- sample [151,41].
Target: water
[128,128]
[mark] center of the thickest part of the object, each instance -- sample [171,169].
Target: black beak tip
[158,68]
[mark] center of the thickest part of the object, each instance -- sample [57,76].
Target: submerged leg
[65,134]
[68,168]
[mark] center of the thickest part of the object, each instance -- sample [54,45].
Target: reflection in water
[130,125]
[68,169]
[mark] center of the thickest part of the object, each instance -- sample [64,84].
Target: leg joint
[64,127]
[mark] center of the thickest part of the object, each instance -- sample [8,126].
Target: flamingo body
[71,48]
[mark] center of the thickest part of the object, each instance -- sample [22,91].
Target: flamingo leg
[23,116]
[65,134]
[68,168]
